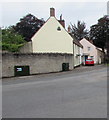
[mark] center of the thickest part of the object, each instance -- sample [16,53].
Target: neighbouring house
[91,51]
[52,37]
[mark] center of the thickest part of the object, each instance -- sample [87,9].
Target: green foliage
[79,31]
[11,47]
[28,26]
[11,41]
[99,33]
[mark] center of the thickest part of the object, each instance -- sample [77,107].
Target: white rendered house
[91,51]
[52,37]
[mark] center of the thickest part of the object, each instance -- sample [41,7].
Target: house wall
[27,48]
[76,57]
[81,55]
[49,40]
[100,56]
[38,63]
[91,52]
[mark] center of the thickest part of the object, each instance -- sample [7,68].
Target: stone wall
[27,48]
[38,63]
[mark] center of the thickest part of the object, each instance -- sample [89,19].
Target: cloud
[108,8]
[88,12]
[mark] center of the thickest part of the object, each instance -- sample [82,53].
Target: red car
[89,62]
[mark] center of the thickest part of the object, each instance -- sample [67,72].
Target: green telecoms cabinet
[21,70]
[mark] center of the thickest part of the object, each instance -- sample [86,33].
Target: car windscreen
[88,60]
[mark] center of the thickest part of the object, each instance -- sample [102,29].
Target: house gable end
[52,37]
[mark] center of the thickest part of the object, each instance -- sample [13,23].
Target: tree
[11,41]
[79,31]
[99,33]
[28,26]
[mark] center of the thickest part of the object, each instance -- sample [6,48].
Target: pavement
[80,93]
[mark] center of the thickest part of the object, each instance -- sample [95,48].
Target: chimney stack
[62,22]
[52,12]
[69,29]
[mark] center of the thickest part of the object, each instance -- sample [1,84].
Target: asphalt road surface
[81,93]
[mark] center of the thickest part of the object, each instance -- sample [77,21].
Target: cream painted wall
[49,40]
[81,55]
[76,53]
[100,55]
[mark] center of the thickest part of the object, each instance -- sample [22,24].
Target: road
[81,93]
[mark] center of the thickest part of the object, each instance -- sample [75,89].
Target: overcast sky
[89,12]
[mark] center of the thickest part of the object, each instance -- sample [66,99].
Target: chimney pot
[61,17]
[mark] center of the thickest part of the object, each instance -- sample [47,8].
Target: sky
[71,11]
